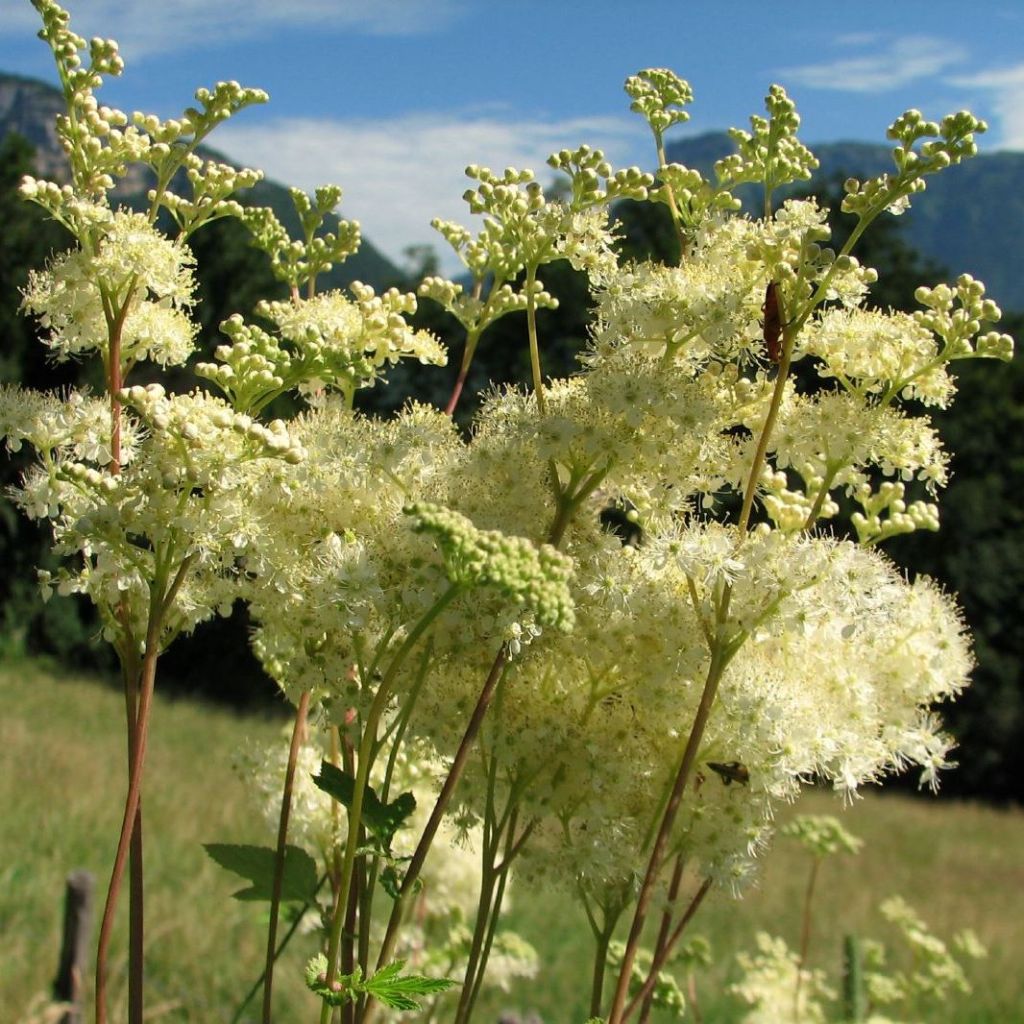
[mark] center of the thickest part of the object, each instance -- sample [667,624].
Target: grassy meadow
[62,759]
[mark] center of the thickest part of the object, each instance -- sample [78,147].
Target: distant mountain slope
[970,219]
[29,107]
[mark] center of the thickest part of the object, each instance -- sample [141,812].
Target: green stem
[282,839]
[492,924]
[789,333]
[677,219]
[819,501]
[440,806]
[485,908]
[531,327]
[136,883]
[131,809]
[377,707]
[292,929]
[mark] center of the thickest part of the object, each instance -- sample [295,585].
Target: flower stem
[719,660]
[440,805]
[373,716]
[136,884]
[664,930]
[677,219]
[131,809]
[531,328]
[805,936]
[292,929]
[282,838]
[472,337]
[663,954]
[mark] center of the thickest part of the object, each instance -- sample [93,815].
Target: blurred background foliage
[979,552]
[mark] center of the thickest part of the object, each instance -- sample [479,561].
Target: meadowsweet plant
[879,986]
[472,654]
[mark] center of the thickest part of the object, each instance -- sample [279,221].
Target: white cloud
[884,67]
[399,174]
[164,26]
[1007,88]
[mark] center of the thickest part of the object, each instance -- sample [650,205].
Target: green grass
[62,784]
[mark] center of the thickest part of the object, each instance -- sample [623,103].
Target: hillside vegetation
[61,744]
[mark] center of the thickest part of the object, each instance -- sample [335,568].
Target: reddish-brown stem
[663,931]
[160,605]
[136,885]
[136,888]
[460,382]
[441,804]
[131,809]
[805,935]
[692,1006]
[663,954]
[298,732]
[472,337]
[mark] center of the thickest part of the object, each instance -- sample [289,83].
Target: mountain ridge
[970,219]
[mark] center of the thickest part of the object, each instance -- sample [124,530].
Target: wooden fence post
[67,986]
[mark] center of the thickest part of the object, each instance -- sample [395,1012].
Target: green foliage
[256,865]
[383,820]
[388,986]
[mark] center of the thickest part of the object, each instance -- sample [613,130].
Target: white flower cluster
[770,986]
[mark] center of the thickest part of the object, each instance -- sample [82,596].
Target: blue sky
[391,99]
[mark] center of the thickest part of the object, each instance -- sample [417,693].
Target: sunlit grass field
[62,757]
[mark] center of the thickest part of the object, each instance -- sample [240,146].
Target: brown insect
[772,323]
[730,772]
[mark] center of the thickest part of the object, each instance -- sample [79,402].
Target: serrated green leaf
[256,865]
[395,991]
[382,819]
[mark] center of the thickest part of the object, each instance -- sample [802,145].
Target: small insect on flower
[772,323]
[730,771]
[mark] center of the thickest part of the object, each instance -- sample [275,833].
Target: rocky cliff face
[29,108]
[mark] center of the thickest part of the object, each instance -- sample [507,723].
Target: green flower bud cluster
[520,227]
[477,314]
[695,197]
[951,141]
[252,370]
[822,834]
[957,327]
[873,526]
[659,96]
[199,422]
[299,262]
[770,153]
[212,183]
[328,341]
[788,510]
[587,168]
[536,576]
